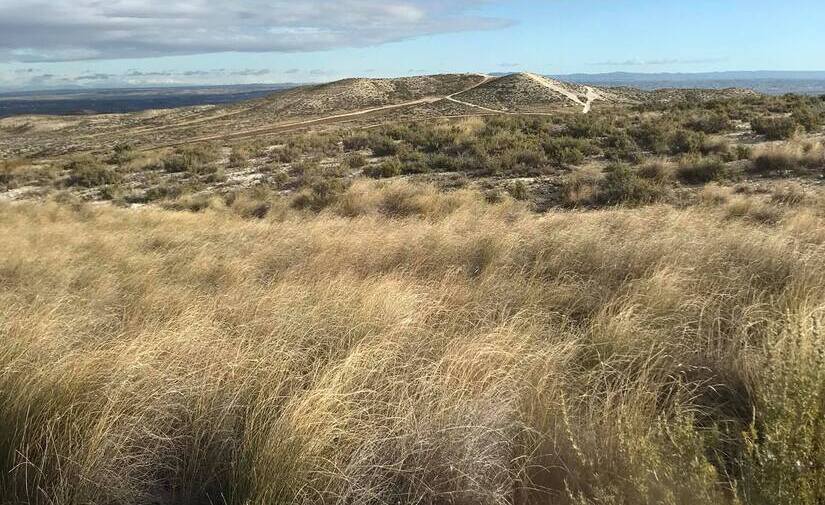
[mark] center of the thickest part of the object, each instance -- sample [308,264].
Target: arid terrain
[447,290]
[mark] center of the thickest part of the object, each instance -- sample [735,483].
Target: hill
[515,92]
[360,93]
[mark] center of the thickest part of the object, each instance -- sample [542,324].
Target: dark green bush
[775,128]
[622,185]
[621,147]
[653,136]
[808,117]
[382,145]
[709,122]
[389,168]
[567,150]
[686,141]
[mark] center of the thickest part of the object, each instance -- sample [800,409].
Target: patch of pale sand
[36,124]
[556,87]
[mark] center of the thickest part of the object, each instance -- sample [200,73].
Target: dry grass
[444,351]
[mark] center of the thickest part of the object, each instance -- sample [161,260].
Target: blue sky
[60,43]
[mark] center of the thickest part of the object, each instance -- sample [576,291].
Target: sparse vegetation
[637,354]
[623,307]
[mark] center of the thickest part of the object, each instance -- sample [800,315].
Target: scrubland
[391,343]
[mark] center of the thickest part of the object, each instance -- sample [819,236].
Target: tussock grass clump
[789,158]
[432,348]
[701,170]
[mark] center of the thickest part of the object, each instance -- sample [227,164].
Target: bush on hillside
[623,185]
[686,141]
[90,172]
[775,128]
[195,160]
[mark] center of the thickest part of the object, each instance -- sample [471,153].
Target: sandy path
[556,88]
[592,95]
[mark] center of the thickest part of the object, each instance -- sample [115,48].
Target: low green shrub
[709,122]
[623,185]
[90,172]
[567,150]
[389,168]
[686,141]
[775,128]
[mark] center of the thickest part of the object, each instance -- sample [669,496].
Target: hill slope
[515,91]
[356,94]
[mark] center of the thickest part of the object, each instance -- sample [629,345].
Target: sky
[97,43]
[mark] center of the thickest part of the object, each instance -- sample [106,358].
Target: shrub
[622,185]
[567,150]
[785,456]
[775,128]
[654,136]
[355,161]
[89,172]
[518,190]
[686,141]
[579,187]
[238,157]
[381,145]
[356,143]
[196,160]
[122,153]
[287,154]
[622,147]
[389,168]
[808,117]
[776,160]
[319,194]
[711,122]
[657,171]
[701,170]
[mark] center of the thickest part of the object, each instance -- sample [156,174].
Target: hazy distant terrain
[769,82]
[109,101]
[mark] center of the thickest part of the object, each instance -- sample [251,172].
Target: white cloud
[64,30]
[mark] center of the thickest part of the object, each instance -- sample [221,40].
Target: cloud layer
[66,30]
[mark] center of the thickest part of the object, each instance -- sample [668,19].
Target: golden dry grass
[469,353]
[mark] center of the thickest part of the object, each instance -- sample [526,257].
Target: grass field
[408,346]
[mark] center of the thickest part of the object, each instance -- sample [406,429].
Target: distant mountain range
[766,81]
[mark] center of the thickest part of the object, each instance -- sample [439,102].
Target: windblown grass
[459,352]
